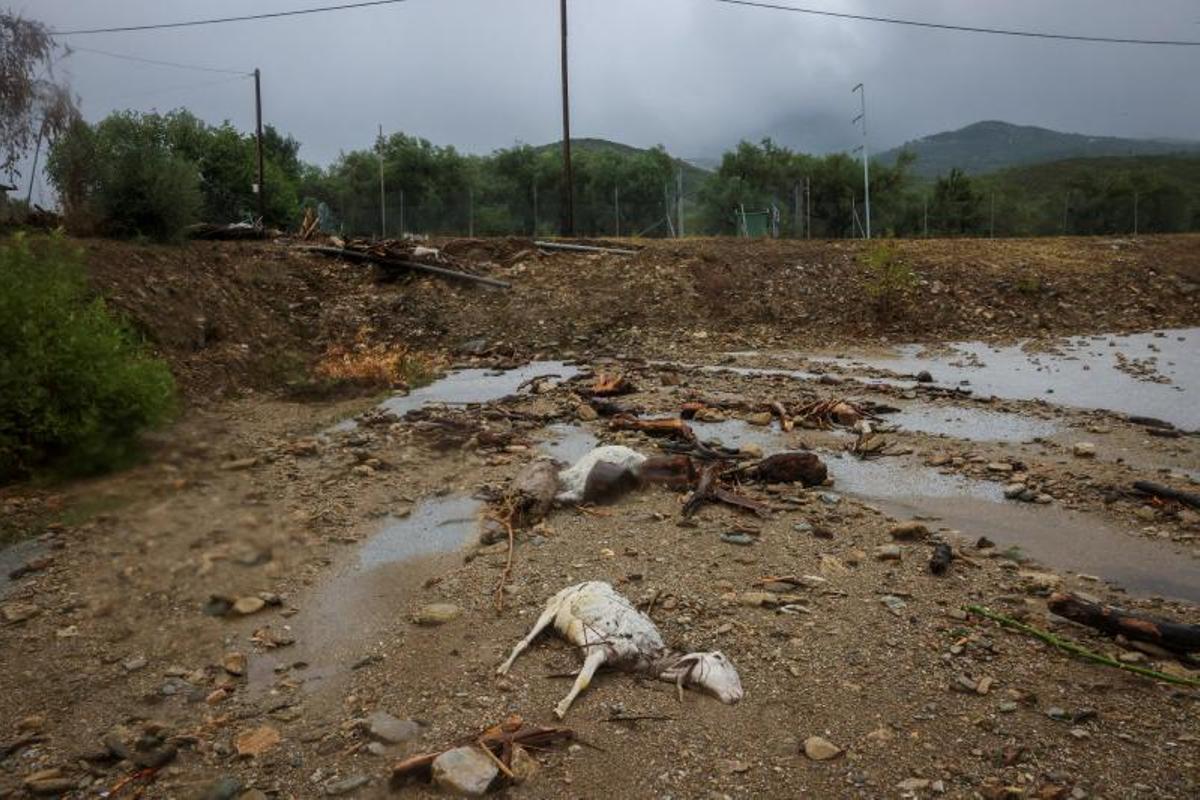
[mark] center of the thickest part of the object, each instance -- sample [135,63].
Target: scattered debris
[1175,636]
[1158,490]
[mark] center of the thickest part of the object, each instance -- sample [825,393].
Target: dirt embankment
[231,316]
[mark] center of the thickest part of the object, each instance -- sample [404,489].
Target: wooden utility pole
[382,195]
[568,188]
[259,189]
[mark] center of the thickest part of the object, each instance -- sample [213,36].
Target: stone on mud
[437,614]
[387,728]
[820,749]
[465,771]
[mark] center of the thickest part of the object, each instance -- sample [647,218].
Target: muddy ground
[122,656]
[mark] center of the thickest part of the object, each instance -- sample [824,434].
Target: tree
[32,106]
[957,206]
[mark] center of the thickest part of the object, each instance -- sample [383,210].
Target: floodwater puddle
[367,593]
[1085,371]
[14,557]
[737,433]
[1055,536]
[568,443]
[465,386]
[972,424]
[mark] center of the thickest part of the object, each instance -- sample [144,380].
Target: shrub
[76,387]
[889,278]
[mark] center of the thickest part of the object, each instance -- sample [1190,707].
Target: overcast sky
[694,75]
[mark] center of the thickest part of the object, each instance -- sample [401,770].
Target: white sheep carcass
[609,630]
[573,480]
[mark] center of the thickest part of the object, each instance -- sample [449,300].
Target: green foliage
[75,387]
[889,278]
[957,208]
[756,176]
[152,174]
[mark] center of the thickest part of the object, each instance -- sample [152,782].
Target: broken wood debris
[388,260]
[498,741]
[1175,636]
[1158,490]
[611,385]
[584,248]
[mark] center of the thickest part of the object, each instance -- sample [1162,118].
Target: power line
[194,22]
[183,88]
[140,60]
[962,28]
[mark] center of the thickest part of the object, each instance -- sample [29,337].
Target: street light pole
[862,117]
[568,189]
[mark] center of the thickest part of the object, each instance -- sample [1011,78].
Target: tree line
[151,174]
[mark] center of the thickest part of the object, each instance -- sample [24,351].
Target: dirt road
[235,617]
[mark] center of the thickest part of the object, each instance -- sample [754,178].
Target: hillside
[693,176]
[992,145]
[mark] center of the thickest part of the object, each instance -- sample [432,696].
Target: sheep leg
[590,664]
[542,623]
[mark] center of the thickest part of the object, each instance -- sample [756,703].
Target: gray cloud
[694,75]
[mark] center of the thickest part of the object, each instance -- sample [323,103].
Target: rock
[1132,657]
[134,663]
[464,770]
[256,742]
[1058,713]
[524,766]
[909,532]
[1084,450]
[585,413]
[240,464]
[829,498]
[437,614]
[985,685]
[820,749]
[832,567]
[1040,581]
[226,787]
[387,728]
[18,612]
[249,605]
[924,376]
[234,663]
[802,527]
[888,552]
[49,783]
[894,604]
[346,785]
[761,418]
[913,784]
[1013,491]
[737,538]
[999,466]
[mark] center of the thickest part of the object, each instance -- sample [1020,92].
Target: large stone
[464,770]
[1084,450]
[908,532]
[437,614]
[256,742]
[386,728]
[249,605]
[820,749]
[888,552]
[18,612]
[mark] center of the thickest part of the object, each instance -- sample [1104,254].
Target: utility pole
[992,221]
[471,212]
[382,195]
[796,210]
[679,199]
[1135,212]
[807,207]
[1066,208]
[617,210]
[535,208]
[862,117]
[568,190]
[401,213]
[258,187]
[925,212]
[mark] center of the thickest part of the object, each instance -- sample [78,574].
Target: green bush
[76,387]
[889,278]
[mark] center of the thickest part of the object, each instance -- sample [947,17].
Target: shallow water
[739,433]
[1052,535]
[1083,374]
[369,592]
[476,386]
[568,443]
[972,424]
[15,556]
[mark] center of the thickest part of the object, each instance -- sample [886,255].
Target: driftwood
[388,261]
[708,490]
[675,472]
[1158,490]
[785,422]
[584,248]
[1176,636]
[804,467]
[238,231]
[499,742]
[611,385]
[669,427]
[703,490]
